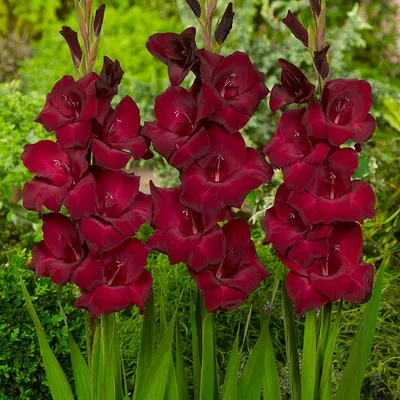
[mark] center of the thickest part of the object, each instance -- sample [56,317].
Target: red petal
[116,191]
[141,289]
[361,281]
[123,125]
[100,236]
[279,97]
[314,120]
[306,252]
[223,298]
[42,257]
[81,200]
[333,286]
[209,251]
[74,135]
[39,192]
[302,293]
[364,130]
[176,110]
[108,157]
[195,148]
[89,274]
[48,160]
[61,237]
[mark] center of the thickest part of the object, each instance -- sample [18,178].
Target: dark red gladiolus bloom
[295,87]
[60,252]
[57,173]
[174,133]
[340,275]
[119,209]
[176,51]
[298,155]
[119,139]
[290,236]
[69,108]
[181,234]
[227,286]
[356,204]
[232,88]
[343,113]
[114,280]
[225,176]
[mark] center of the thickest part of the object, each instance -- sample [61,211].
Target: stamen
[217,170]
[120,264]
[180,112]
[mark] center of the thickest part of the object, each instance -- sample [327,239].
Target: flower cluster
[314,223]
[94,246]
[197,131]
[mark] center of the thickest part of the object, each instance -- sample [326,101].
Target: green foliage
[21,370]
[17,128]
[129,27]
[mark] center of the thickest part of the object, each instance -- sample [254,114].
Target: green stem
[291,342]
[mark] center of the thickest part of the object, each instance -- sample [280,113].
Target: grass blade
[253,373]
[271,384]
[95,362]
[80,371]
[146,348]
[291,342]
[353,373]
[326,376]
[229,390]
[196,346]
[207,382]
[155,382]
[58,383]
[180,369]
[309,357]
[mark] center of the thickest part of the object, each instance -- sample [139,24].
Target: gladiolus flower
[295,87]
[178,52]
[227,286]
[61,250]
[232,89]
[343,113]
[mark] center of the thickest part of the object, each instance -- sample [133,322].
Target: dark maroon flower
[295,87]
[195,6]
[340,275]
[60,252]
[107,86]
[115,280]
[176,51]
[356,204]
[225,176]
[68,110]
[296,28]
[119,210]
[57,173]
[119,139]
[298,155]
[232,88]
[181,234]
[343,113]
[174,133]
[291,238]
[228,285]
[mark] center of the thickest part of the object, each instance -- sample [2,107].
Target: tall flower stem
[291,342]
